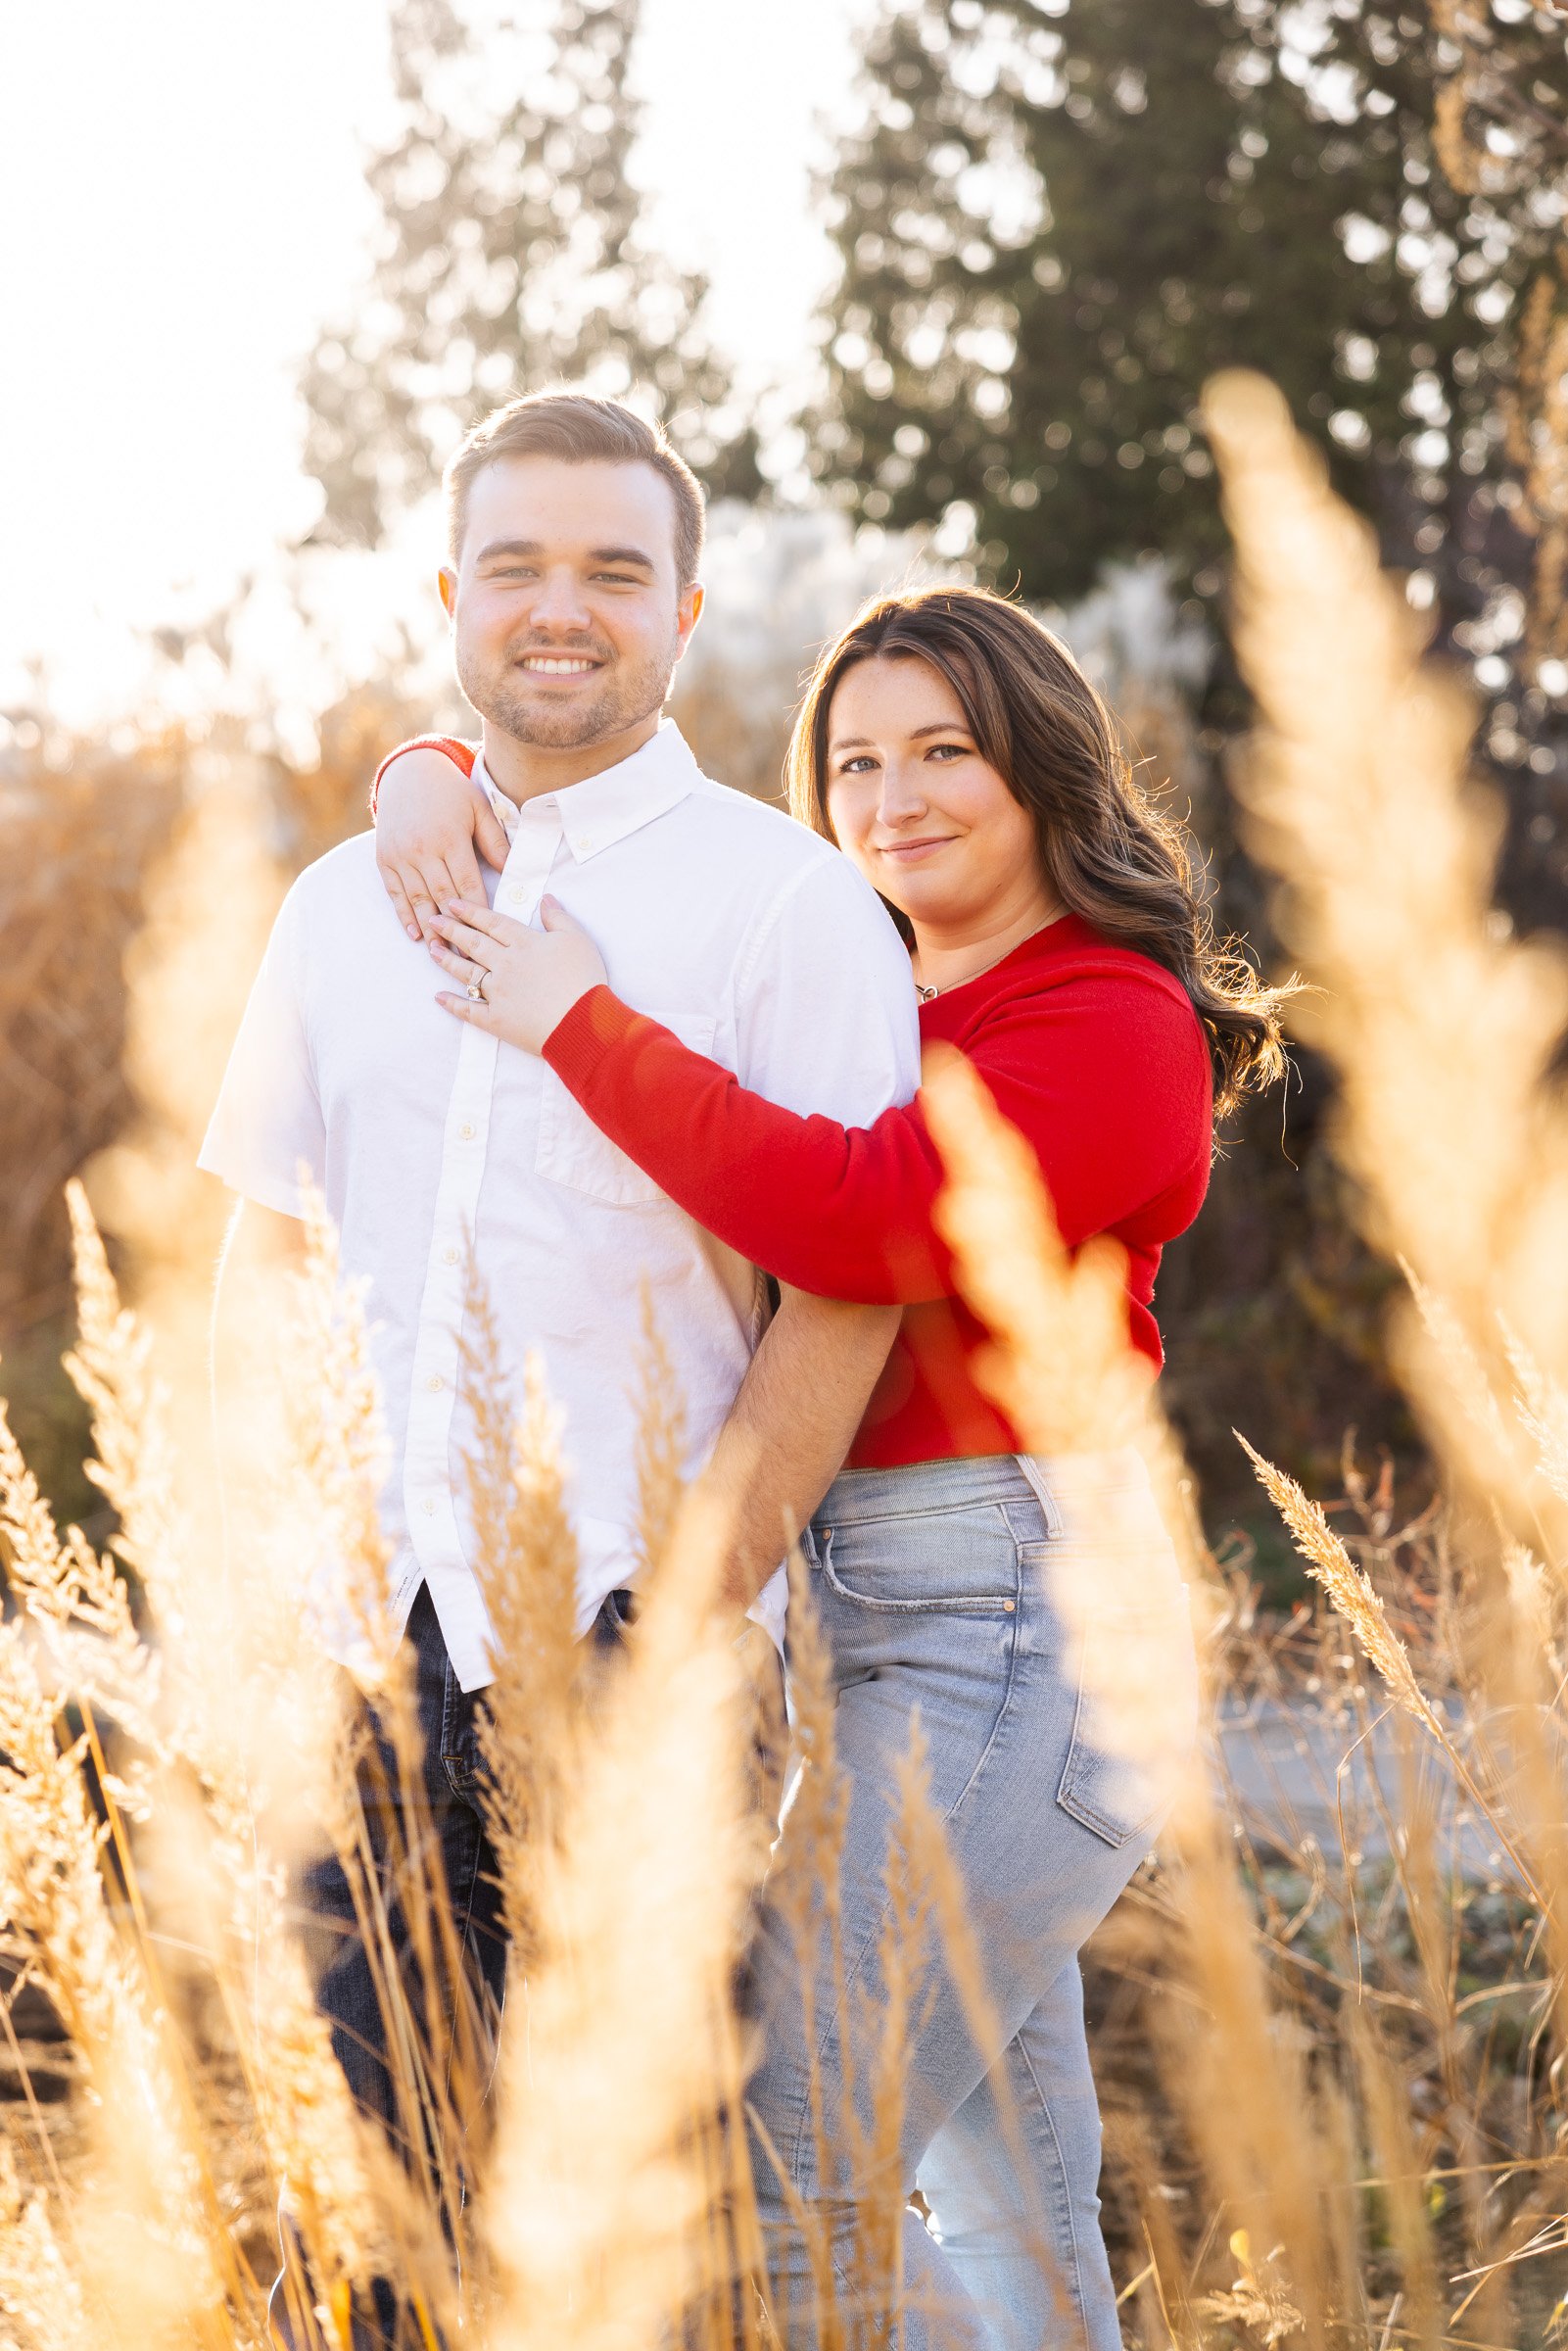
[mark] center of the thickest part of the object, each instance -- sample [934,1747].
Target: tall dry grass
[83,823]
[144,1875]
[1329,2019]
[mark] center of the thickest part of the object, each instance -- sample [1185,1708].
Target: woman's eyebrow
[862,743]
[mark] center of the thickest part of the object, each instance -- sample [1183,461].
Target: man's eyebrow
[536,547]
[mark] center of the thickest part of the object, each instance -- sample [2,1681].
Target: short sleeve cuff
[279,1192]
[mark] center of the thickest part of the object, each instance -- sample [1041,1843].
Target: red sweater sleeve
[462,753]
[1107,1077]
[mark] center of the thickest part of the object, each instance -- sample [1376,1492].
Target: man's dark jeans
[445,1823]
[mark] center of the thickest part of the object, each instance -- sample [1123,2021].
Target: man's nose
[560,602]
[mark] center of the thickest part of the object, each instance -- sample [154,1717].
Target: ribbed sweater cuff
[578,1046]
[462,754]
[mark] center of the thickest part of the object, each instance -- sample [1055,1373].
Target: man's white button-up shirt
[754,940]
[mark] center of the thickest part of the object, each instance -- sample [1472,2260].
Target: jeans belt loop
[1031,1469]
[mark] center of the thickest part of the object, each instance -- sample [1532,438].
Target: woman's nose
[902,797]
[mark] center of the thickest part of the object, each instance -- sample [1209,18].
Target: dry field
[1326,2018]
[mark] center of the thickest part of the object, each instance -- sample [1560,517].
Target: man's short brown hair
[584,430]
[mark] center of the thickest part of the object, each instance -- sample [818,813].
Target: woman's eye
[858,766]
[948,751]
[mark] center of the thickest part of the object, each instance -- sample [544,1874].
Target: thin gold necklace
[927,995]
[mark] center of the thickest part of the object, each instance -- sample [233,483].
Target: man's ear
[446,581]
[688,612]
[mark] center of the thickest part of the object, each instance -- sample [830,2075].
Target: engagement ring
[476,990]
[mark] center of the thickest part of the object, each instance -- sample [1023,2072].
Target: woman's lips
[909,852]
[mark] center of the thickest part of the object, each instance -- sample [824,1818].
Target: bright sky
[181,203]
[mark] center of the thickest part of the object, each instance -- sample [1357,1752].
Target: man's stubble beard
[628,696]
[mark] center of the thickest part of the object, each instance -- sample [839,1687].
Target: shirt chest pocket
[573,1152]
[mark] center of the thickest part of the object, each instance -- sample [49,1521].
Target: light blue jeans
[934,1589]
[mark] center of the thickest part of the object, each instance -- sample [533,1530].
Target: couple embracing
[622,1028]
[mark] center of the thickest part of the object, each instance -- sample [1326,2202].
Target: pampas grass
[1442,1029]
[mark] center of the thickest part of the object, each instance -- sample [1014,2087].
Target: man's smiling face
[567,611]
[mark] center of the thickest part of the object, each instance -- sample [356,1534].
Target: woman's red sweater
[1092,1051]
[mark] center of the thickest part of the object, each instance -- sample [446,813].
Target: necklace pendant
[924,995]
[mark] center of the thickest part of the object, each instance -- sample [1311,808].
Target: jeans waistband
[918,1486]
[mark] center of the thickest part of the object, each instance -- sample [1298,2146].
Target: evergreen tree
[1056,219]
[510,256]
[1061,215]
[1500,130]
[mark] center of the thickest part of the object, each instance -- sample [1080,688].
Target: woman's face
[928,822]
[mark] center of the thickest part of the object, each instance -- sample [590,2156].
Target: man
[572,587]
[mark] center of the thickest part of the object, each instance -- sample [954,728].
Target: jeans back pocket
[1136,1720]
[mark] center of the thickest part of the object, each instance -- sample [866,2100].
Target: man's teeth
[550,665]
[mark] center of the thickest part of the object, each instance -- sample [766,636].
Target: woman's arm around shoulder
[1107,1078]
[433,825]
[841,1211]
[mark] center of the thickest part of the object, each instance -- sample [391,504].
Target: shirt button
[430,1508]
[466,1131]
[434,1383]
[517,896]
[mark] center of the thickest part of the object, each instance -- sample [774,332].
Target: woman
[952,748]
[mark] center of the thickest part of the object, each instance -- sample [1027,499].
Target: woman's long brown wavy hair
[1107,853]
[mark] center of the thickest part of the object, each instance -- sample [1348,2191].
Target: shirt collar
[619,801]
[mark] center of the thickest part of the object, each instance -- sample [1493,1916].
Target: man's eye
[617,579]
